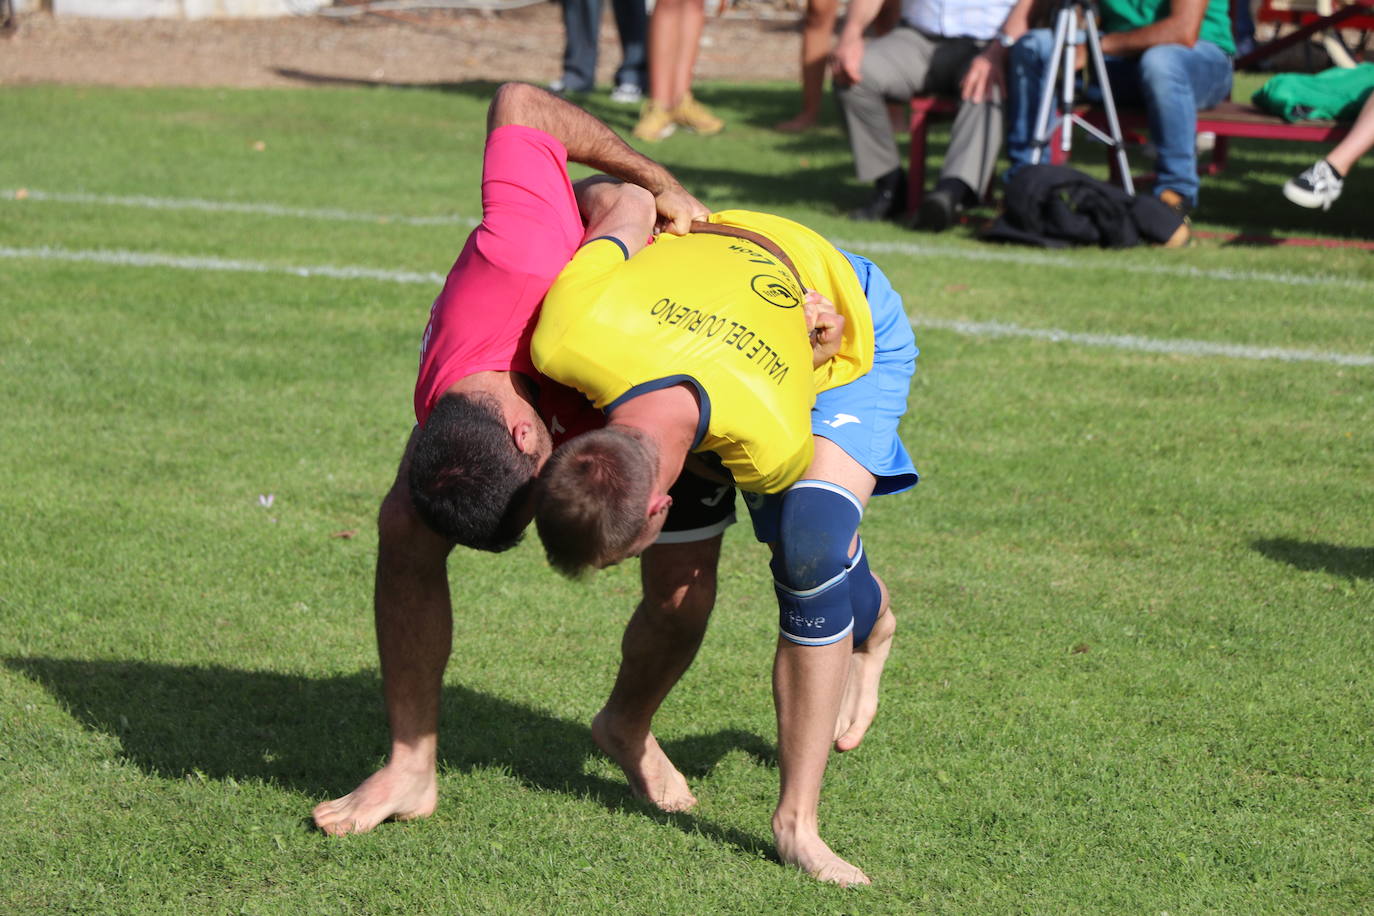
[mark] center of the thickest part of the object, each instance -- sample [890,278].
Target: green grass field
[1135,587]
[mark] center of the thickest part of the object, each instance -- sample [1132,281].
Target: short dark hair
[467,479]
[592,499]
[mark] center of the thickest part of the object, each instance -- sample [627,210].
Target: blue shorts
[861,418]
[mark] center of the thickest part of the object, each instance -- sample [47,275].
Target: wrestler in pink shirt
[483,318]
[476,352]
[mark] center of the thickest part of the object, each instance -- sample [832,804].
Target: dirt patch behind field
[432,47]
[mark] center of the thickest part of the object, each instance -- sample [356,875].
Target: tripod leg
[1066,90]
[1109,105]
[1043,131]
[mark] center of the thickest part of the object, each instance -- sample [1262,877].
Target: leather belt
[767,244]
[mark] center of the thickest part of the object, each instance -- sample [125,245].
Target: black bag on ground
[1054,206]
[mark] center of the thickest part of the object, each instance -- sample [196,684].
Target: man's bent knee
[1033,50]
[811,566]
[1164,63]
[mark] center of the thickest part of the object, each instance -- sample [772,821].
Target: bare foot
[860,703]
[800,124]
[391,792]
[809,852]
[651,774]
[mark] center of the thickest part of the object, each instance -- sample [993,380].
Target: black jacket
[1055,206]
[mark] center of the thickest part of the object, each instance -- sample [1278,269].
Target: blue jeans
[1172,82]
[582,23]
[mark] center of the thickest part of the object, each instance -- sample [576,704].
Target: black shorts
[701,509]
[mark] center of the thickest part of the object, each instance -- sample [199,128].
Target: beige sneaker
[655,123]
[695,116]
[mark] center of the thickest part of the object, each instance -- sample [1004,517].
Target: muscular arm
[592,143]
[1182,26]
[610,207]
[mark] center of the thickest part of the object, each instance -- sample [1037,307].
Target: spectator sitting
[1171,56]
[1320,185]
[942,46]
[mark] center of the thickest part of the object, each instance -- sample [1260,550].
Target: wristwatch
[1004,39]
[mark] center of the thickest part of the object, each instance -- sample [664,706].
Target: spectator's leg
[632,22]
[895,66]
[1321,184]
[1242,27]
[976,137]
[818,35]
[581,25]
[1026,68]
[1176,82]
[660,641]
[1357,142]
[674,38]
[675,28]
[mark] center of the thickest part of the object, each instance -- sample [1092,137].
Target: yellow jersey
[722,313]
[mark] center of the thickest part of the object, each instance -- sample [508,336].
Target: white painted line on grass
[1177,347]
[1002,255]
[144,259]
[225,206]
[993,254]
[973,328]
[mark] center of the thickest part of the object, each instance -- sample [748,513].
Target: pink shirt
[484,317]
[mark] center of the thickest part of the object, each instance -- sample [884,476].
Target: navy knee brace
[823,593]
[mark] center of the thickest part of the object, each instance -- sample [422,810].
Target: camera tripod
[1061,68]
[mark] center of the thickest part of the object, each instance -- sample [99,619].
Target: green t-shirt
[1125,15]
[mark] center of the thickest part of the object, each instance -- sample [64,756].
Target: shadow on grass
[321,736]
[1246,197]
[1315,556]
[829,186]
[1252,208]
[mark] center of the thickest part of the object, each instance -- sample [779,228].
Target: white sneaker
[560,87]
[1316,187]
[627,94]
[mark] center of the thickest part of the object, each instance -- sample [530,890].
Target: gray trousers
[904,63]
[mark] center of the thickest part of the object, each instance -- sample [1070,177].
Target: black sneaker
[1318,186]
[889,199]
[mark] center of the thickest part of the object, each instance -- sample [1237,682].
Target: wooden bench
[1227,120]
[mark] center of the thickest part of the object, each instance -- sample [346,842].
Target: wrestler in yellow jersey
[722,313]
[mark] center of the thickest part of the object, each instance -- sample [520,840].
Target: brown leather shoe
[1183,235]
